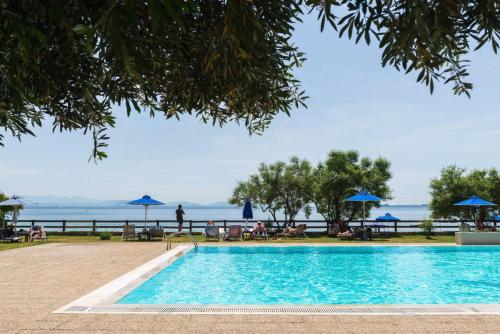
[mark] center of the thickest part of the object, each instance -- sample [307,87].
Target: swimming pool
[313,275]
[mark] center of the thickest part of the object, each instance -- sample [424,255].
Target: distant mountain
[51,199]
[220,205]
[81,200]
[184,204]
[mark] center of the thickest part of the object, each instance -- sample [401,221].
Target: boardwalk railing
[97,226]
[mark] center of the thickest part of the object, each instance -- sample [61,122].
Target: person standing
[179,214]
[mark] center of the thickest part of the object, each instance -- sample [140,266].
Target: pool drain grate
[310,310]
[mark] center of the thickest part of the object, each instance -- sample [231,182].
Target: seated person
[37,232]
[289,229]
[346,234]
[259,229]
[210,223]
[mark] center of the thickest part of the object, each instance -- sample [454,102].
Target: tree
[70,62]
[261,189]
[294,187]
[456,184]
[343,174]
[4,210]
[278,187]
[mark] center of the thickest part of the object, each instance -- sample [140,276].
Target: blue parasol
[387,218]
[146,201]
[15,203]
[247,212]
[363,196]
[474,202]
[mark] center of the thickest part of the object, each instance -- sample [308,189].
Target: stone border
[103,300]
[109,293]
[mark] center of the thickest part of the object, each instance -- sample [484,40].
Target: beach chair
[212,232]
[129,232]
[299,231]
[37,233]
[333,229]
[260,235]
[235,233]
[156,232]
[347,235]
[9,234]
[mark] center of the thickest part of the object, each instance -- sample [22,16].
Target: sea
[130,212]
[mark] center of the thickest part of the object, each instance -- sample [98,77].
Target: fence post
[93,226]
[395,226]
[157,223]
[225,225]
[32,223]
[64,225]
[126,222]
[190,226]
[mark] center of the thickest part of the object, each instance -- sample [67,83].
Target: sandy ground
[35,281]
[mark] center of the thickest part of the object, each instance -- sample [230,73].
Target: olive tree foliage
[69,62]
[344,174]
[261,189]
[4,210]
[455,184]
[280,187]
[295,187]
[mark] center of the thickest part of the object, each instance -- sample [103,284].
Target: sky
[354,104]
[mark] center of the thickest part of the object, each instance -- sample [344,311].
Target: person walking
[179,214]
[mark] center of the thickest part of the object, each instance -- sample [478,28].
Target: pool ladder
[169,239]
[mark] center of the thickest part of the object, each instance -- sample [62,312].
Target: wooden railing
[96,226]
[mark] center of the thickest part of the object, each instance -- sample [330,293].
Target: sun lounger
[333,229]
[8,234]
[235,233]
[347,235]
[299,231]
[260,235]
[212,232]
[37,233]
[156,232]
[129,232]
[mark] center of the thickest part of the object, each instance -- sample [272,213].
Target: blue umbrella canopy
[247,210]
[475,201]
[387,218]
[146,200]
[16,203]
[363,196]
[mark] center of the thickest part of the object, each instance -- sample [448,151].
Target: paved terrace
[35,281]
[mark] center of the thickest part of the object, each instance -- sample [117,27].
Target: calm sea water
[122,212]
[327,275]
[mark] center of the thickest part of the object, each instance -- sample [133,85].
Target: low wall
[477,238]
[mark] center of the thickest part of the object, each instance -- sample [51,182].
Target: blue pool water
[327,275]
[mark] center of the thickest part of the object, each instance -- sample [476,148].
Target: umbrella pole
[246,223]
[14,218]
[474,217]
[145,216]
[363,222]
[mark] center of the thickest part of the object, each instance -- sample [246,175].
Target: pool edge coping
[110,292]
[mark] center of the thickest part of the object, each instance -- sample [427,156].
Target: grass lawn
[399,238]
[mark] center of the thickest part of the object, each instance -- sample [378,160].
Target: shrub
[427,226]
[105,235]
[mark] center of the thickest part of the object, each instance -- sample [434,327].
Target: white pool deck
[35,281]
[103,299]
